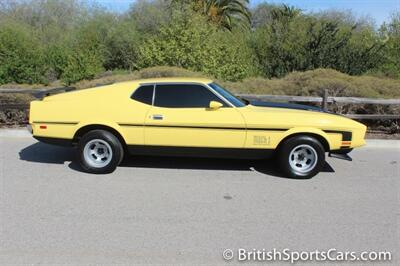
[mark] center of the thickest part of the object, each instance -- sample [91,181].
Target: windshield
[227,95]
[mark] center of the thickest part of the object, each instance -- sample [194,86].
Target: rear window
[144,94]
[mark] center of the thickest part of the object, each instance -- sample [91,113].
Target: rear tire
[99,152]
[301,157]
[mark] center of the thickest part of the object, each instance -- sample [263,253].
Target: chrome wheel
[303,158]
[97,153]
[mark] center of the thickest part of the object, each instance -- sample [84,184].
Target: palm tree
[285,12]
[224,13]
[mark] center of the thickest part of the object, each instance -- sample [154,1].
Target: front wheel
[99,152]
[301,157]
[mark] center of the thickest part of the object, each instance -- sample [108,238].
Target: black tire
[108,141]
[301,144]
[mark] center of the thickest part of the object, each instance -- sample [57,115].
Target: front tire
[99,152]
[301,157]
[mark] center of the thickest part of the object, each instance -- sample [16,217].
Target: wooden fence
[324,101]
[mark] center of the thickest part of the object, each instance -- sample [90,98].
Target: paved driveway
[187,211]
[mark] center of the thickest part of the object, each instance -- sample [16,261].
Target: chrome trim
[187,83]
[154,95]
[55,122]
[220,96]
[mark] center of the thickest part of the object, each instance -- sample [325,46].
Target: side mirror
[215,105]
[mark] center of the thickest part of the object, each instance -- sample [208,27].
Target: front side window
[184,96]
[144,94]
[227,95]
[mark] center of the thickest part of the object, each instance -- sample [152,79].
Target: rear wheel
[99,152]
[301,157]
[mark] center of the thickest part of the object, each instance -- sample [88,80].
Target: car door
[180,116]
[132,114]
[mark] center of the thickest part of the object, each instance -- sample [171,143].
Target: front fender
[309,131]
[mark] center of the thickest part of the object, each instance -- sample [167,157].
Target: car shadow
[50,154]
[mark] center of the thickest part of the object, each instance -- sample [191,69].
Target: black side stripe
[205,127]
[346,135]
[55,122]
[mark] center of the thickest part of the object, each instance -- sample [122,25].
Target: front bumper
[343,156]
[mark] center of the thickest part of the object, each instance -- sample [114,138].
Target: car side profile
[189,117]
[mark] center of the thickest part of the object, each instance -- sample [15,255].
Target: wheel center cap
[301,157]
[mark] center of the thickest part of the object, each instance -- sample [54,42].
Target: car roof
[172,79]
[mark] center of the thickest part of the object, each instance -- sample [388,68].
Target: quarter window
[184,96]
[144,94]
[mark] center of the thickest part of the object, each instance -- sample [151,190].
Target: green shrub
[56,57]
[87,49]
[189,42]
[121,46]
[391,56]
[21,58]
[45,41]
[81,65]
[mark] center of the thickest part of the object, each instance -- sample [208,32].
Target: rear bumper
[55,141]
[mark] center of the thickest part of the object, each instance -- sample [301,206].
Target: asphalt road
[187,211]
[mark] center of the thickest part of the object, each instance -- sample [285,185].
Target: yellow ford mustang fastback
[189,117]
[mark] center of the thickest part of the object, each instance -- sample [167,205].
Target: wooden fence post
[325,100]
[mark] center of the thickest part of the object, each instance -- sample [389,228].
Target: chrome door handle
[158,117]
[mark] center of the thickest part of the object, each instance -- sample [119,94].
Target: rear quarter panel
[110,105]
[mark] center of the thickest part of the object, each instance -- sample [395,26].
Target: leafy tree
[82,64]
[223,13]
[290,41]
[324,41]
[190,43]
[149,15]
[48,40]
[21,57]
[87,49]
[278,45]
[391,57]
[122,46]
[363,52]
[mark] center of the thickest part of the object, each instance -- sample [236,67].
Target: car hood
[286,105]
[281,115]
